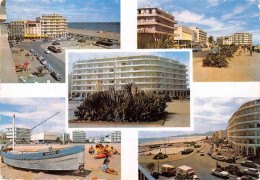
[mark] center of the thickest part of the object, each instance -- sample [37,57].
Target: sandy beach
[104,34]
[93,167]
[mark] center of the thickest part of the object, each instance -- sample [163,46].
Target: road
[202,165]
[57,64]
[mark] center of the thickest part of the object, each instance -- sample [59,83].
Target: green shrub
[197,146]
[215,61]
[186,151]
[56,43]
[127,105]
[81,40]
[53,49]
[160,155]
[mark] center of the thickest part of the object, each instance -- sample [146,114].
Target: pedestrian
[239,50]
[251,50]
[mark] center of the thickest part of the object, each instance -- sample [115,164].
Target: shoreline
[96,33]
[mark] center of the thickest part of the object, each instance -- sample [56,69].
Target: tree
[151,167]
[211,39]
[58,140]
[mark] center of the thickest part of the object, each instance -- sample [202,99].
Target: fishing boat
[66,159]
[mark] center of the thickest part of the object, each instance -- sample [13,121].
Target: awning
[34,35]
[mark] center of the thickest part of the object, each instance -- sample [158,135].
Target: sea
[145,140]
[96,26]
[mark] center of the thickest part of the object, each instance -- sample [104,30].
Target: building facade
[244,129]
[45,137]
[79,137]
[149,73]
[201,35]
[17,29]
[224,40]
[65,137]
[155,21]
[185,36]
[243,38]
[53,25]
[19,134]
[32,30]
[222,134]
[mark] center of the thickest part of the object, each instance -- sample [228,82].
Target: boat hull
[57,160]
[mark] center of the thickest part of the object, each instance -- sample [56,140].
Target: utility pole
[13,129]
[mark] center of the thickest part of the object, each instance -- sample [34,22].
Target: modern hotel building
[242,38]
[155,21]
[243,129]
[150,73]
[201,35]
[21,134]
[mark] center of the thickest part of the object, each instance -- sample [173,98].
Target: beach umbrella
[26,64]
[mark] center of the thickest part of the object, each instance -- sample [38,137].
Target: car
[214,51]
[252,172]
[230,160]
[220,173]
[213,156]
[201,153]
[32,50]
[185,171]
[249,164]
[49,67]
[56,76]
[47,51]
[43,62]
[168,170]
[197,49]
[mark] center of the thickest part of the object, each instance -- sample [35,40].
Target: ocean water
[96,26]
[144,140]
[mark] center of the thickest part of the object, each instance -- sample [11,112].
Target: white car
[252,172]
[222,174]
[47,51]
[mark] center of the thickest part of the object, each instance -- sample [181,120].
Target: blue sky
[73,10]
[182,57]
[210,114]
[216,17]
[32,111]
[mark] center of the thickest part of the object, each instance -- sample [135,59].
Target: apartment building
[17,29]
[185,36]
[19,134]
[201,35]
[243,129]
[78,136]
[32,30]
[224,40]
[155,21]
[53,25]
[222,134]
[242,38]
[149,73]
[65,137]
[45,137]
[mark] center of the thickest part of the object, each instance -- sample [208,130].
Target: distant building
[32,30]
[65,137]
[78,136]
[201,35]
[17,29]
[97,139]
[185,36]
[222,134]
[116,137]
[3,135]
[45,137]
[155,21]
[102,138]
[243,129]
[91,139]
[53,25]
[19,134]
[224,40]
[243,38]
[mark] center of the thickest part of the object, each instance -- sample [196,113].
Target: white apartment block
[242,38]
[65,137]
[78,136]
[19,134]
[150,73]
[243,129]
[32,29]
[53,25]
[16,29]
[186,34]
[201,35]
[45,137]
[224,40]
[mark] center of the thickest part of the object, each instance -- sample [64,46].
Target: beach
[100,34]
[93,167]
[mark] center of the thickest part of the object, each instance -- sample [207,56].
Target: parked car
[220,158]
[214,51]
[32,50]
[247,177]
[185,171]
[49,67]
[249,164]
[220,173]
[252,172]
[197,49]
[168,170]
[213,156]
[47,51]
[56,76]
[230,160]
[201,153]
[43,62]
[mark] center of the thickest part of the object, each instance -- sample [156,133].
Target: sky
[73,10]
[29,112]
[182,57]
[216,17]
[210,114]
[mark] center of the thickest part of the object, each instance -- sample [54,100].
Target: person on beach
[251,50]
[114,151]
[106,168]
[91,150]
[239,50]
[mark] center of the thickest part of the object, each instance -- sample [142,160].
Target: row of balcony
[242,115]
[124,83]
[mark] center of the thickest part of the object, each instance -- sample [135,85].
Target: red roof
[31,22]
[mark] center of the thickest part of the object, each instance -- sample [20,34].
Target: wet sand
[100,34]
[93,167]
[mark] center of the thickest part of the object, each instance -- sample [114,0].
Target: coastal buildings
[19,134]
[53,25]
[242,38]
[65,137]
[222,134]
[201,35]
[17,29]
[78,136]
[185,36]
[114,137]
[45,137]
[32,30]
[155,21]
[243,129]
[224,40]
[150,73]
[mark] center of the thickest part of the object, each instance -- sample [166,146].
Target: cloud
[236,11]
